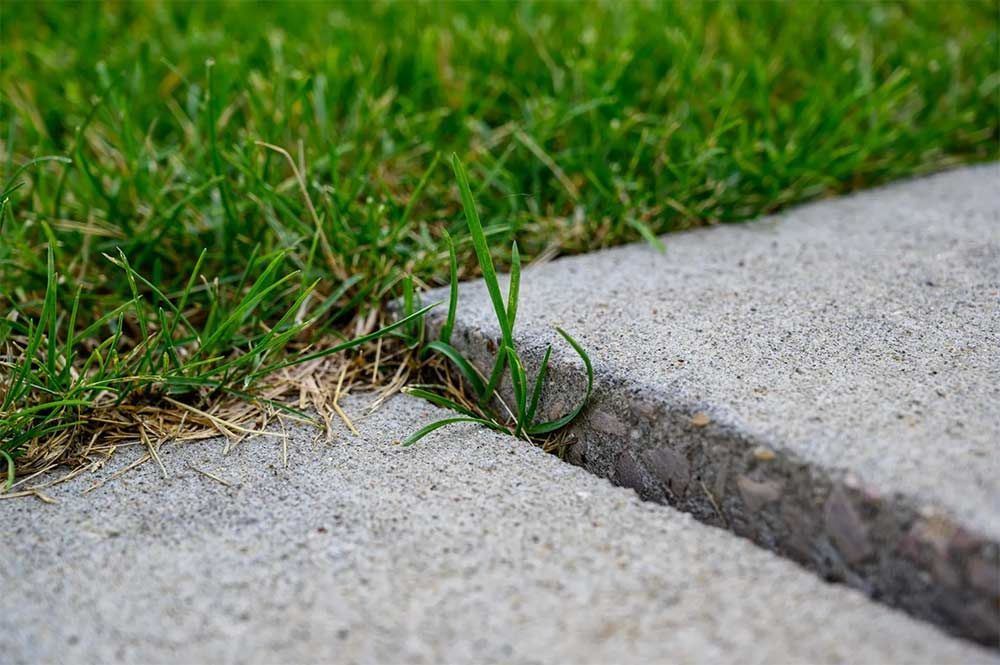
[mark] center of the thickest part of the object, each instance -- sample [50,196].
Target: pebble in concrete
[469,547]
[825,382]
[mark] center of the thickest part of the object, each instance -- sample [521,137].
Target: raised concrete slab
[826,382]
[470,547]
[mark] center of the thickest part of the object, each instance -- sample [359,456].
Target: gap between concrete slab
[890,547]
[672,446]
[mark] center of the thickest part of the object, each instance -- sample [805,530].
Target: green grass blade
[482,249]
[276,338]
[427,429]
[401,225]
[411,331]
[519,382]
[185,294]
[514,287]
[167,342]
[349,344]
[14,445]
[11,474]
[51,353]
[35,335]
[467,369]
[48,406]
[68,350]
[553,425]
[250,264]
[140,311]
[100,322]
[258,292]
[496,375]
[536,392]
[336,295]
[439,400]
[230,225]
[647,234]
[4,201]
[12,183]
[449,322]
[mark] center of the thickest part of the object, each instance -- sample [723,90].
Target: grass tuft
[490,409]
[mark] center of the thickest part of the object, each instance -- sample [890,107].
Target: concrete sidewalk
[469,547]
[825,382]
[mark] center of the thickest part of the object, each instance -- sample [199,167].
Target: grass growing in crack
[518,420]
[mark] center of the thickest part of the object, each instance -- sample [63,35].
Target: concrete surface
[470,547]
[826,382]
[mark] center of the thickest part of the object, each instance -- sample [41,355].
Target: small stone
[758,493]
[846,528]
[700,419]
[644,410]
[627,472]
[604,421]
[671,467]
[763,454]
[576,454]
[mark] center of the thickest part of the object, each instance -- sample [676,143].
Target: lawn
[202,204]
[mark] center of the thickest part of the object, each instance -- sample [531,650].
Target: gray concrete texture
[825,382]
[469,547]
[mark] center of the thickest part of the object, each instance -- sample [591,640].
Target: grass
[522,415]
[201,203]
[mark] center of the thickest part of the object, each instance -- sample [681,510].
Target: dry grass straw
[316,387]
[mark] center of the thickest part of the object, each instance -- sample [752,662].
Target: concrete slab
[826,382]
[470,547]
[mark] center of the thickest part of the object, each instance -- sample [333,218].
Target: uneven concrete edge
[914,557]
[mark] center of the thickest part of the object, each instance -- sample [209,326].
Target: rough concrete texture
[826,382]
[469,547]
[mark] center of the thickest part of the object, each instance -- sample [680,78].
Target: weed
[521,421]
